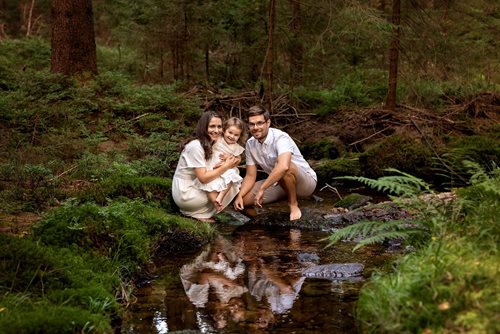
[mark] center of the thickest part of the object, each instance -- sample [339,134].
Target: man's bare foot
[295,212]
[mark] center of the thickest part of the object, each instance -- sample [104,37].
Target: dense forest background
[445,46]
[324,66]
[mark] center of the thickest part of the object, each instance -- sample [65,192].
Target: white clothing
[266,154]
[231,175]
[191,200]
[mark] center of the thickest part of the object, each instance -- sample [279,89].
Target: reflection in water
[249,280]
[160,323]
[244,281]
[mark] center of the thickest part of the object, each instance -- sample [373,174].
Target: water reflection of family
[206,179]
[236,285]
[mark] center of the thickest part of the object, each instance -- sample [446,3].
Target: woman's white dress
[191,200]
[230,176]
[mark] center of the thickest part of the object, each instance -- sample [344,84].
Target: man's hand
[259,198]
[238,203]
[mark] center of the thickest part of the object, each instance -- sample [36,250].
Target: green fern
[372,232]
[408,190]
[404,185]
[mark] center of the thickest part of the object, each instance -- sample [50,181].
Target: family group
[207,179]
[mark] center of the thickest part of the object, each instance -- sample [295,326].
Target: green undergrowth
[128,232]
[449,282]
[75,272]
[151,188]
[54,290]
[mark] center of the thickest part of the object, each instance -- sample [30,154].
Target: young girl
[230,144]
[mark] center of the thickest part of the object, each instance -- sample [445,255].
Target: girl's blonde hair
[238,123]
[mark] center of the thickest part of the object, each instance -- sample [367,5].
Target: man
[289,174]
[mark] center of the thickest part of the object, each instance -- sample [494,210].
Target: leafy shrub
[449,283]
[448,287]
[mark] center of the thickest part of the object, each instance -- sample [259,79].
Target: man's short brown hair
[258,110]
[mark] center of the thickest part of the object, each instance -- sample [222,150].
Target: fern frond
[364,230]
[404,184]
[381,237]
[350,232]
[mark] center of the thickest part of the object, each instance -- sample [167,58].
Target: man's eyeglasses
[257,125]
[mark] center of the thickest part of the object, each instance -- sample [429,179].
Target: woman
[194,164]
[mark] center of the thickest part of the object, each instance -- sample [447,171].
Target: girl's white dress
[231,175]
[186,192]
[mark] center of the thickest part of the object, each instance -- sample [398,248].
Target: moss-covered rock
[480,149]
[401,152]
[328,148]
[352,201]
[327,169]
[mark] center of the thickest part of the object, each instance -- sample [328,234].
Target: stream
[248,280]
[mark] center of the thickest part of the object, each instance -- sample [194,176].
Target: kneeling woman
[195,164]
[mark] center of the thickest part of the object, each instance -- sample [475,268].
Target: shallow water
[249,281]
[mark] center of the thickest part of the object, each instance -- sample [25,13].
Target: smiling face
[232,134]
[214,128]
[259,127]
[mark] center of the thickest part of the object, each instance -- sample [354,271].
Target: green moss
[48,318]
[352,201]
[481,149]
[49,290]
[328,148]
[400,152]
[327,169]
[150,188]
[125,231]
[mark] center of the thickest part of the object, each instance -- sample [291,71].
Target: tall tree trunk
[3,8]
[394,55]
[207,63]
[73,39]
[296,49]
[270,56]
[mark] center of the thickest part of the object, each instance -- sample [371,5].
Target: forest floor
[354,130]
[360,128]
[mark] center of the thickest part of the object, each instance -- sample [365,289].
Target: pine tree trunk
[394,56]
[270,56]
[73,39]
[296,49]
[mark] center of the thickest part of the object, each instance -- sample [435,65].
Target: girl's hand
[231,161]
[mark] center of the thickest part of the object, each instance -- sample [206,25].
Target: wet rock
[308,258]
[335,271]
